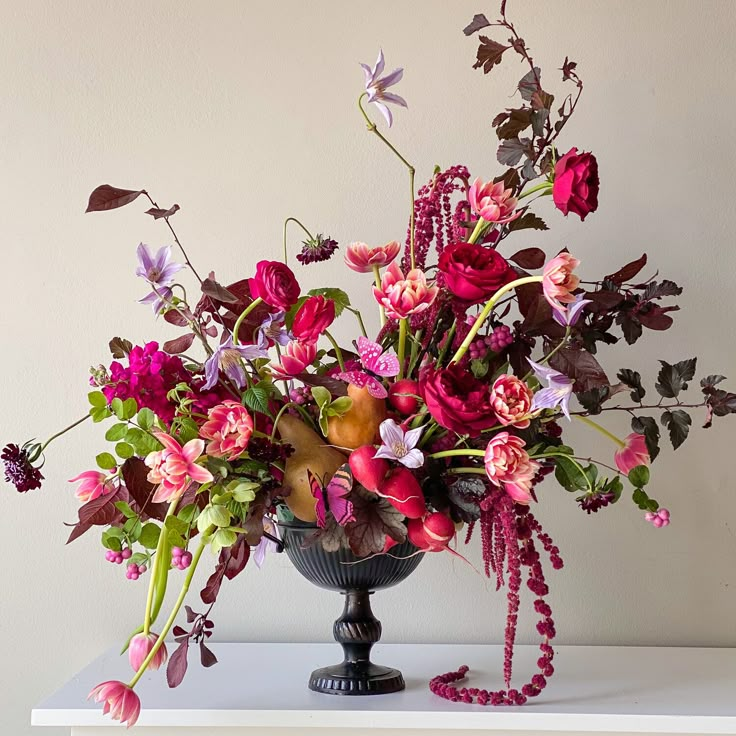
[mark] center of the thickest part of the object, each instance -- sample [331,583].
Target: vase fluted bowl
[357,630]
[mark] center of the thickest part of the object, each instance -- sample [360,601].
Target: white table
[260,690]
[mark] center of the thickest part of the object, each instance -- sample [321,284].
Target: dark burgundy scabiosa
[593,502]
[19,468]
[319,248]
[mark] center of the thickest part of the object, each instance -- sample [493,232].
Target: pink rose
[297,357]
[575,187]
[508,465]
[362,258]
[229,428]
[474,273]
[313,318]
[558,281]
[633,454]
[402,295]
[511,400]
[493,202]
[276,284]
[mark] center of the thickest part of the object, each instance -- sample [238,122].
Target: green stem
[278,417]
[538,188]
[483,316]
[157,562]
[547,357]
[359,317]
[414,352]
[338,352]
[448,343]
[480,227]
[377,278]
[464,452]
[243,315]
[461,471]
[63,431]
[403,324]
[286,222]
[600,429]
[174,612]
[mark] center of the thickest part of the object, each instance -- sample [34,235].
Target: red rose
[473,272]
[457,400]
[576,183]
[313,318]
[276,284]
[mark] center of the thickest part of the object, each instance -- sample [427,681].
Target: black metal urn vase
[357,630]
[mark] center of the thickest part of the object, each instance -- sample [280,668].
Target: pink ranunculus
[402,295]
[508,465]
[141,646]
[633,454]
[558,281]
[576,183]
[93,485]
[473,272]
[174,468]
[229,427]
[493,202]
[120,700]
[362,258]
[313,318]
[276,284]
[511,400]
[297,357]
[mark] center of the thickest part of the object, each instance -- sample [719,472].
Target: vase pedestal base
[360,678]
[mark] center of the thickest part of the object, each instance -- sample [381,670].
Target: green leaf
[569,474]
[125,510]
[116,432]
[341,405]
[176,529]
[256,398]
[673,378]
[106,461]
[639,476]
[130,408]
[124,450]
[188,513]
[97,399]
[678,423]
[642,500]
[188,430]
[117,407]
[149,535]
[222,538]
[243,491]
[479,368]
[145,418]
[112,538]
[614,486]
[338,296]
[218,516]
[99,413]
[321,395]
[139,558]
[133,528]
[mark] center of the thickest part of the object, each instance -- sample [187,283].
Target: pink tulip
[508,465]
[511,400]
[633,454]
[121,702]
[140,647]
[404,295]
[296,358]
[558,281]
[229,428]
[493,202]
[362,258]
[174,468]
[93,485]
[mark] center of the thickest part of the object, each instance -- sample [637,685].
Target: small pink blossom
[141,646]
[632,454]
[229,428]
[93,485]
[402,295]
[658,518]
[174,468]
[558,281]
[511,400]
[509,465]
[120,700]
[493,202]
[297,357]
[362,258]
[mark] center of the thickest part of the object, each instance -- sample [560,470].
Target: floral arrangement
[445,421]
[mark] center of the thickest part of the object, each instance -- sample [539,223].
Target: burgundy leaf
[157,212]
[206,655]
[603,300]
[178,631]
[510,151]
[77,530]
[568,70]
[174,317]
[120,347]
[179,345]
[238,558]
[525,222]
[629,271]
[177,666]
[656,317]
[208,594]
[529,258]
[489,54]
[335,387]
[581,366]
[135,477]
[191,614]
[479,21]
[101,511]
[106,197]
[375,518]
[517,121]
[211,288]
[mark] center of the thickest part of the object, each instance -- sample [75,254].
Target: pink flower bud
[139,649]
[632,454]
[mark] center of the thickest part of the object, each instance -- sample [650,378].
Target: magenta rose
[276,284]
[457,400]
[313,318]
[473,272]
[576,183]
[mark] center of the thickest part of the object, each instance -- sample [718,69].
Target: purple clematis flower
[266,545]
[158,270]
[376,86]
[273,330]
[571,315]
[399,445]
[228,358]
[557,393]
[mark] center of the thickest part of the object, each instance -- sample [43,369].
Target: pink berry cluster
[497,342]
[299,395]
[135,571]
[117,557]
[658,518]
[180,559]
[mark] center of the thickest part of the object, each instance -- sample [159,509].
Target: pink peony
[141,646]
[297,357]
[508,464]
[121,701]
[362,258]
[633,454]
[93,485]
[229,428]
[402,296]
[558,281]
[313,318]
[511,400]
[473,272]
[174,468]
[493,202]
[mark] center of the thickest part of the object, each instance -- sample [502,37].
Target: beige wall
[244,113]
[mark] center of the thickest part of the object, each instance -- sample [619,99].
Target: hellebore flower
[228,358]
[399,445]
[557,393]
[376,86]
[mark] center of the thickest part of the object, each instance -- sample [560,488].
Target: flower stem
[63,431]
[377,278]
[403,324]
[547,357]
[286,222]
[603,431]
[157,562]
[243,315]
[464,452]
[338,352]
[480,227]
[461,471]
[359,317]
[483,316]
[281,411]
[538,188]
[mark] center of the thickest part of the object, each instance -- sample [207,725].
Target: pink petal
[193,449]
